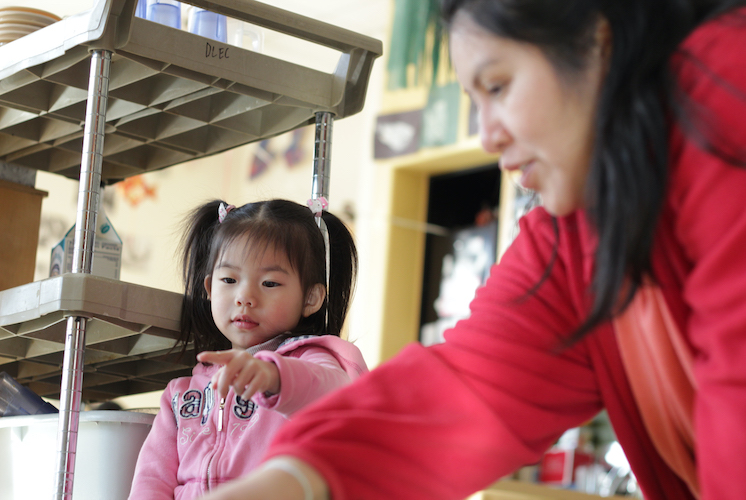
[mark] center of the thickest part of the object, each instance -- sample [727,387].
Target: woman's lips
[520,173]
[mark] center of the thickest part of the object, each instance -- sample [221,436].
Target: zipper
[220,414]
[218,442]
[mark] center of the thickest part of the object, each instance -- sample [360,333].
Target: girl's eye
[270,284]
[495,89]
[229,281]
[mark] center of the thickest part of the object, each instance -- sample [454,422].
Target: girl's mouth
[244,322]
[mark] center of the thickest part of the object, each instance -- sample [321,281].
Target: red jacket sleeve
[445,421]
[708,198]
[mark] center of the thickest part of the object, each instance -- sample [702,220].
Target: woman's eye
[270,284]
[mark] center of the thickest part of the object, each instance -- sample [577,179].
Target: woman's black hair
[281,225]
[639,100]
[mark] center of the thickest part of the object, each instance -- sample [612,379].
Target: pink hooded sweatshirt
[185,455]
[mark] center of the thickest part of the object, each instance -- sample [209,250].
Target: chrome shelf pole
[89,191]
[322,164]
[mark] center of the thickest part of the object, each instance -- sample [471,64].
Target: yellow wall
[408,185]
[405,182]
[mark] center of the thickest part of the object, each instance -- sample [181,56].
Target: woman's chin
[558,208]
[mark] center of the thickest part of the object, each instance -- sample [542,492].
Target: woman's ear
[208,285]
[604,40]
[314,299]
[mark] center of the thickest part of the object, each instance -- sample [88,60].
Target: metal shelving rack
[105,95]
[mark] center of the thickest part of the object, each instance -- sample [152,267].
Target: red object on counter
[558,466]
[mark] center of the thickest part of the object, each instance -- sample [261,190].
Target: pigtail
[197,324]
[343,265]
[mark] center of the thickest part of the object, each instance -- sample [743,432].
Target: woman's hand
[272,481]
[242,371]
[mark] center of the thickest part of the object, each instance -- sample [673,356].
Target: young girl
[256,293]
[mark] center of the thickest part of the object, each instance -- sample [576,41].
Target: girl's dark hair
[282,225]
[640,97]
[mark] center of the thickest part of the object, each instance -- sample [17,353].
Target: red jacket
[445,421]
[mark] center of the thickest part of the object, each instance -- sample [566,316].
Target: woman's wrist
[273,482]
[311,483]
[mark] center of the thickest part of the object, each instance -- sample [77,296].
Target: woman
[624,291]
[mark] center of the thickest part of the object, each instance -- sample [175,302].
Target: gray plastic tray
[170,100]
[130,335]
[173,96]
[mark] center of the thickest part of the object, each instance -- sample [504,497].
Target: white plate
[17,16]
[13,32]
[27,19]
[30,10]
[18,27]
[9,36]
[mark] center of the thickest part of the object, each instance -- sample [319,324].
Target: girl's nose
[492,132]
[245,297]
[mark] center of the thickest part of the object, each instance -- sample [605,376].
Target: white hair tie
[317,205]
[223,211]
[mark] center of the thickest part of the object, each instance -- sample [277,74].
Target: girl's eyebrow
[275,267]
[269,268]
[228,265]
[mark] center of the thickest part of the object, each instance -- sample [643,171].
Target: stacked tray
[131,334]
[173,96]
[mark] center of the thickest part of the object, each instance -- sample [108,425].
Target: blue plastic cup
[166,12]
[208,24]
[142,9]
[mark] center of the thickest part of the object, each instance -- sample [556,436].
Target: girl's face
[256,295]
[540,123]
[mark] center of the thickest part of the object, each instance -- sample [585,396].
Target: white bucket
[108,445]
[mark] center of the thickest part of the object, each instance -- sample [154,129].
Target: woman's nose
[492,132]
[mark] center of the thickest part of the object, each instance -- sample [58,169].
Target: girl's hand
[242,371]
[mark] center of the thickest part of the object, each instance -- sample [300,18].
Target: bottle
[208,24]
[166,12]
[245,35]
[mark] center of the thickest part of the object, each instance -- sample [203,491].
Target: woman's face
[539,122]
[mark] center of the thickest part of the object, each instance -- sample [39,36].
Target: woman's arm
[282,478]
[443,422]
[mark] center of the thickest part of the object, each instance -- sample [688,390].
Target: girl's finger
[250,389]
[224,376]
[215,357]
[229,374]
[241,381]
